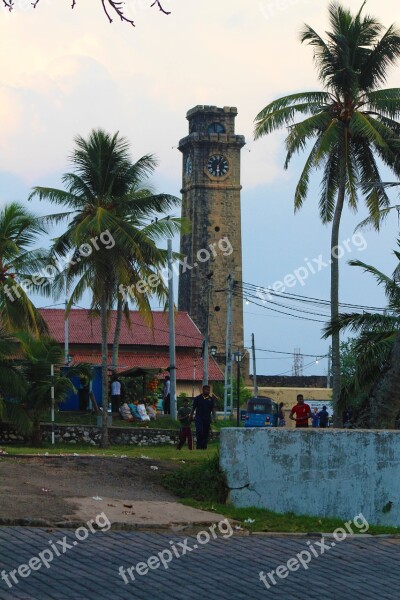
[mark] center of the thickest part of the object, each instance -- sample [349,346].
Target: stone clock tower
[211,202]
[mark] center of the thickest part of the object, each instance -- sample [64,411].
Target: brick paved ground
[227,569]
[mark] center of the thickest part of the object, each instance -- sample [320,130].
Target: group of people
[301,414]
[134,411]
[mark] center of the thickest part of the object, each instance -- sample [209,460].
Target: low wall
[77,434]
[322,472]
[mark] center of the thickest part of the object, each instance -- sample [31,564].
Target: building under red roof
[141,345]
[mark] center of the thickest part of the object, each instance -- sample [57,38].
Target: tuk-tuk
[261,412]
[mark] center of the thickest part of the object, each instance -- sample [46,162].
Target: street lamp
[238,356]
[69,359]
[213,351]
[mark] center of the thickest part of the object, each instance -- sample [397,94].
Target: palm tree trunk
[335,289]
[104,371]
[384,399]
[117,334]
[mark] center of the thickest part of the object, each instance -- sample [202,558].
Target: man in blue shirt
[203,408]
[323,417]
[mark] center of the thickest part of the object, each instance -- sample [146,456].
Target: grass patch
[90,419]
[202,482]
[266,520]
[162,452]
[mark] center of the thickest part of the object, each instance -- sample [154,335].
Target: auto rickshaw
[261,412]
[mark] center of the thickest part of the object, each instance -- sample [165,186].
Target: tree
[375,381]
[349,123]
[19,229]
[106,233]
[109,7]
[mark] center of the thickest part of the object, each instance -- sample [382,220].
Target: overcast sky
[66,71]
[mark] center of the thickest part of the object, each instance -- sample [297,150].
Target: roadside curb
[171,528]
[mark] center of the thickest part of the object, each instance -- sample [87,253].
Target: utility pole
[171,307]
[253,348]
[52,404]
[328,379]
[206,341]
[228,388]
[66,334]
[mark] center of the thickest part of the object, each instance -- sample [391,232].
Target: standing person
[115,394]
[315,418]
[323,417]
[167,396]
[302,412]
[281,415]
[204,407]
[185,432]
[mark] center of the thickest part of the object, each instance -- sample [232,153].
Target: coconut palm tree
[108,237]
[19,230]
[348,125]
[377,376]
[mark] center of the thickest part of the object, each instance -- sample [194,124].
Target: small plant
[204,481]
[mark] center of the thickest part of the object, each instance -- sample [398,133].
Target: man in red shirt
[302,412]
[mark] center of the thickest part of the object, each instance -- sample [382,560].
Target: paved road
[227,569]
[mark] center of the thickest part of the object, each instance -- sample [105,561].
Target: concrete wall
[321,472]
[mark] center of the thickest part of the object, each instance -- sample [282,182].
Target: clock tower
[211,202]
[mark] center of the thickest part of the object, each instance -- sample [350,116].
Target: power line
[283,312]
[300,298]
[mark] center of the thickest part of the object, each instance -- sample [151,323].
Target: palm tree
[108,211]
[377,377]
[19,229]
[349,123]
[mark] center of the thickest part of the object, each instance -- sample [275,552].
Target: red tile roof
[85,328]
[184,363]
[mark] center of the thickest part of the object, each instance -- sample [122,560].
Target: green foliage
[204,481]
[19,230]
[368,357]
[27,397]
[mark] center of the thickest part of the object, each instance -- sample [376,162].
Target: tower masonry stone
[211,202]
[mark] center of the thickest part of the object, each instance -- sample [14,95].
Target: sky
[64,72]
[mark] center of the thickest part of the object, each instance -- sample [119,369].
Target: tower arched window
[216,128]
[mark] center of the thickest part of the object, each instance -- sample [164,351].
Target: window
[216,128]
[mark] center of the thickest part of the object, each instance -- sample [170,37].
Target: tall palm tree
[108,212]
[377,349]
[19,230]
[348,124]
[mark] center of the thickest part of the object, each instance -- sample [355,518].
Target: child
[185,430]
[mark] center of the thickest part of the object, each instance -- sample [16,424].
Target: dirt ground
[56,490]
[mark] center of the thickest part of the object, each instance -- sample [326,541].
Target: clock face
[188,166]
[217,165]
